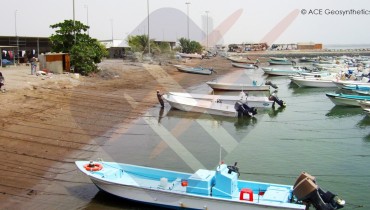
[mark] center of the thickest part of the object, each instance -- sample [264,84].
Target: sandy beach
[48,122]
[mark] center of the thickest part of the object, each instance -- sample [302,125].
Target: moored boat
[194,70]
[190,55]
[251,101]
[346,99]
[237,86]
[244,65]
[283,72]
[280,61]
[205,189]
[209,107]
[342,83]
[243,60]
[314,81]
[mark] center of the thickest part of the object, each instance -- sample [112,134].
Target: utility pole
[147,2]
[187,3]
[207,28]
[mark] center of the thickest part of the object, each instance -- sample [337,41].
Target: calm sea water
[311,134]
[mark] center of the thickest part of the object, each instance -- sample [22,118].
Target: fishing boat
[205,189]
[190,55]
[342,83]
[346,99]
[244,65]
[252,101]
[314,81]
[238,86]
[361,89]
[243,60]
[283,72]
[194,70]
[280,61]
[209,107]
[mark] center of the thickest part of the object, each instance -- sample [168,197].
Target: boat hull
[236,86]
[140,184]
[314,83]
[280,72]
[346,100]
[252,101]
[244,65]
[200,106]
[193,70]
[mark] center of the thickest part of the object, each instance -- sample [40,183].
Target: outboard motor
[268,82]
[306,190]
[244,110]
[274,97]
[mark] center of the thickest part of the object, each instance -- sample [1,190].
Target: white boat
[190,55]
[243,60]
[252,101]
[237,86]
[200,106]
[209,107]
[314,81]
[342,83]
[346,99]
[194,70]
[205,189]
[283,72]
[244,65]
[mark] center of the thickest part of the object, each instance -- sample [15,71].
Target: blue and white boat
[347,99]
[205,189]
[194,70]
[361,89]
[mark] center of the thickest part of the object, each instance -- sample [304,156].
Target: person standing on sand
[160,99]
[2,82]
[33,65]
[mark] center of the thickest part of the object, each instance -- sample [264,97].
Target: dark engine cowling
[244,110]
[273,97]
[306,190]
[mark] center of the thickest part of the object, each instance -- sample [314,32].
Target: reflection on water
[275,111]
[344,111]
[106,201]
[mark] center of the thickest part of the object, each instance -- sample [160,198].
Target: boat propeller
[233,168]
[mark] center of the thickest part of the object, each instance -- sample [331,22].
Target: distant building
[23,48]
[117,48]
[248,47]
[309,46]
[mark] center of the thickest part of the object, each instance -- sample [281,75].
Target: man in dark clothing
[160,99]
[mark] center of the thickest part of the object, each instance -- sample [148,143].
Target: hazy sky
[257,20]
